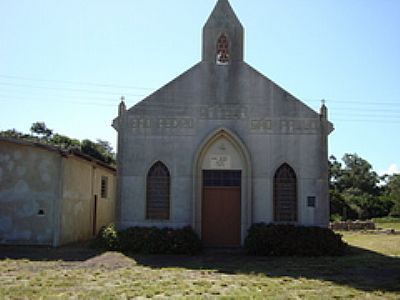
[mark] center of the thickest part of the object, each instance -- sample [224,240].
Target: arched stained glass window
[158,192]
[285,194]
[223,50]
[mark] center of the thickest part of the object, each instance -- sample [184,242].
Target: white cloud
[392,169]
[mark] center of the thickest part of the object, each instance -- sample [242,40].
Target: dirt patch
[70,257]
[109,261]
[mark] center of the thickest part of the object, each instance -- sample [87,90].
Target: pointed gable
[222,15]
[224,25]
[222,79]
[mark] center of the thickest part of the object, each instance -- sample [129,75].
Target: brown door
[221,213]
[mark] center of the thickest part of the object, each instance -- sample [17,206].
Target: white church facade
[222,147]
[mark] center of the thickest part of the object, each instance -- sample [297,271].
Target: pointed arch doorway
[222,208]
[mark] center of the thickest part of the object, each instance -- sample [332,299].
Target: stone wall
[84,208]
[52,197]
[352,225]
[29,191]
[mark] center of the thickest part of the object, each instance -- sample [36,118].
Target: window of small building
[158,192]
[223,56]
[104,187]
[311,201]
[285,195]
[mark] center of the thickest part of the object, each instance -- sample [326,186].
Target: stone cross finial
[324,110]
[122,106]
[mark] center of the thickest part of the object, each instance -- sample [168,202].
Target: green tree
[393,185]
[367,205]
[40,129]
[105,146]
[358,174]
[65,142]
[393,193]
[100,150]
[335,172]
[339,208]
[354,189]
[11,133]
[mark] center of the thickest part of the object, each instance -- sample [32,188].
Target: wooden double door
[221,208]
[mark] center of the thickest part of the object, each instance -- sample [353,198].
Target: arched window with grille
[285,194]
[158,192]
[223,50]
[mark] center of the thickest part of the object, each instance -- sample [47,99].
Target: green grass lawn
[387,223]
[372,271]
[380,243]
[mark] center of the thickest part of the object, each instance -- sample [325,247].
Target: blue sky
[68,62]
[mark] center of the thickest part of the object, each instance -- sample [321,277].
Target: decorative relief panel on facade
[162,123]
[220,162]
[261,125]
[174,123]
[223,112]
[141,123]
[284,126]
[170,126]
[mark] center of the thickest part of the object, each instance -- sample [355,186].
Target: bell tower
[223,36]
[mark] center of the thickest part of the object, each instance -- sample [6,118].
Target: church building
[222,147]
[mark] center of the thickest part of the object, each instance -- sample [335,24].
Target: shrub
[288,240]
[150,240]
[107,238]
[185,240]
[335,218]
[133,239]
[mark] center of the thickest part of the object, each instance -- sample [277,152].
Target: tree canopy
[40,129]
[356,174]
[100,150]
[393,193]
[358,192]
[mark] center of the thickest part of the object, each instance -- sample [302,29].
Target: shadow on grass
[70,253]
[361,269]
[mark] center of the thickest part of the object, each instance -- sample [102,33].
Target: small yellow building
[50,196]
